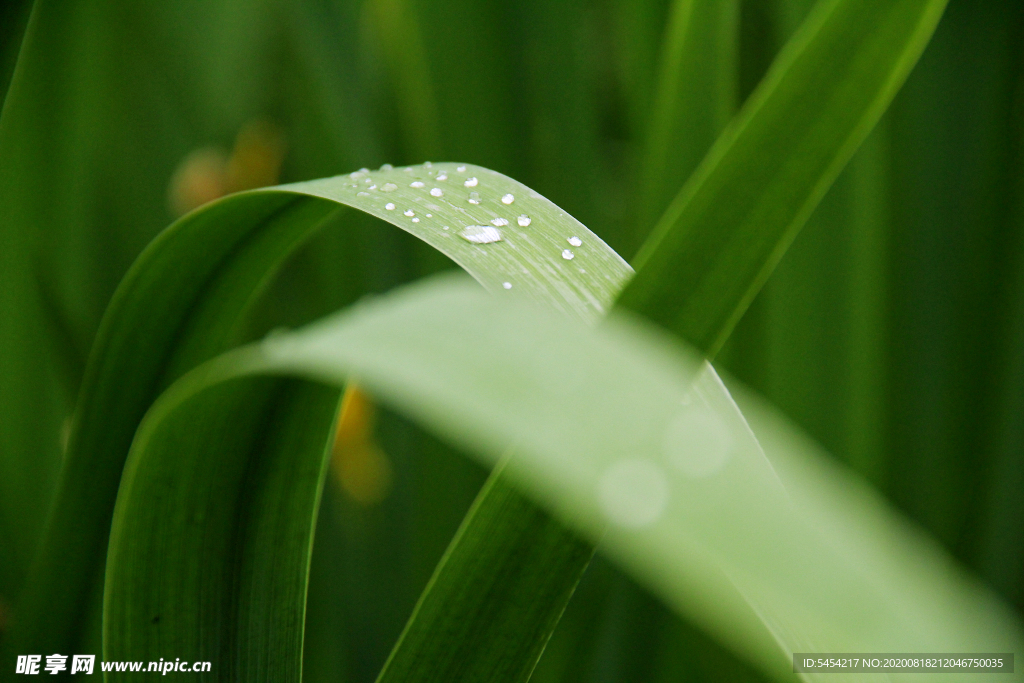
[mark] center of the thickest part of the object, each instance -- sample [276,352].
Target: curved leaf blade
[204,274]
[596,416]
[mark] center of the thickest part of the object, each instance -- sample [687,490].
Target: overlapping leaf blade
[611,426]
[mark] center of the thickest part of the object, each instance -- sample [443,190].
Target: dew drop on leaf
[524,220]
[508,199]
[568,255]
[574,241]
[389,206]
[499,222]
[409,212]
[389,187]
[471,182]
[436,192]
[416,183]
[480,234]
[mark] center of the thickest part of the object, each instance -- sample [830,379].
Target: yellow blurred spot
[360,467]
[208,173]
[199,178]
[256,159]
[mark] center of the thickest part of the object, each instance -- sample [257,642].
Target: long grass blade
[729,226]
[695,99]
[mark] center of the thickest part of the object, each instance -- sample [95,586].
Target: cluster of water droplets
[633,492]
[475,233]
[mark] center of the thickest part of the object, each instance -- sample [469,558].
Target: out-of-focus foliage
[893,330]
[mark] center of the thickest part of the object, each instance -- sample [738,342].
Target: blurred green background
[892,331]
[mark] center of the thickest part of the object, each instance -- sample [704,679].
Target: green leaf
[623,435]
[679,253]
[496,595]
[203,275]
[729,226]
[695,99]
[84,170]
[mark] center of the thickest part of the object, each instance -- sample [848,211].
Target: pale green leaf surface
[613,433]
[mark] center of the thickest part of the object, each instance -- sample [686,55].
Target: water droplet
[427,164]
[474,198]
[362,194]
[574,241]
[446,227]
[480,234]
[508,199]
[367,180]
[697,443]
[568,255]
[506,285]
[436,192]
[389,206]
[442,176]
[430,215]
[386,167]
[416,183]
[499,222]
[409,212]
[388,187]
[415,220]
[524,220]
[372,187]
[355,174]
[461,169]
[633,493]
[471,182]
